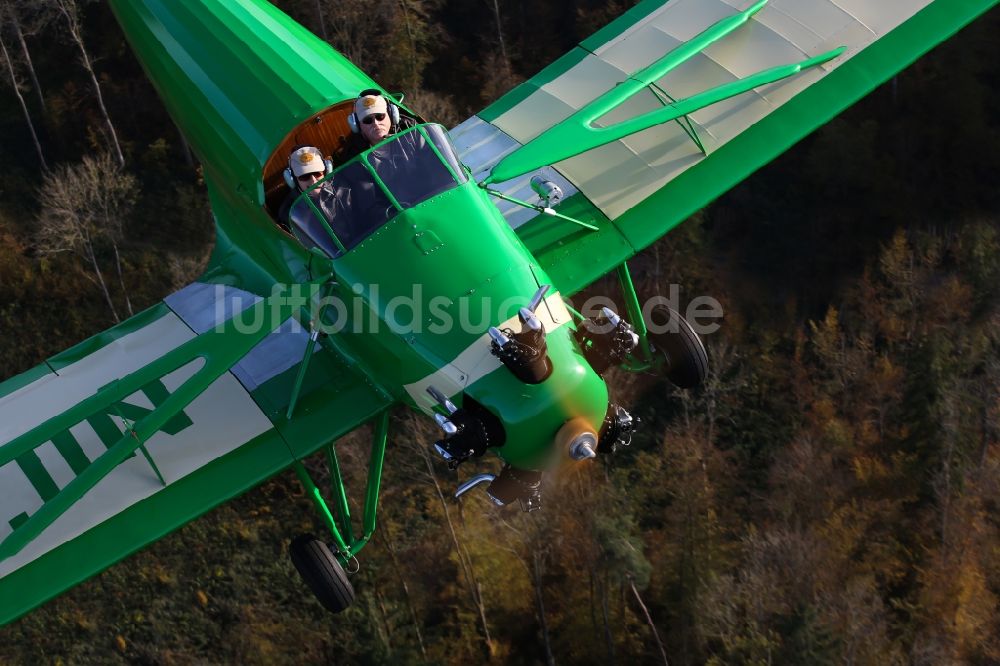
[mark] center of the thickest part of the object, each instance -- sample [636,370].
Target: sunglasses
[310,176]
[368,120]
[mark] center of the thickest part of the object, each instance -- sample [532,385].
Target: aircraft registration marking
[220,420]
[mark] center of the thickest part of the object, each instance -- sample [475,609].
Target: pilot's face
[307,180]
[375,127]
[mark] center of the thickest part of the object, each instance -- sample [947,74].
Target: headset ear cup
[393,114]
[287,175]
[328,164]
[352,122]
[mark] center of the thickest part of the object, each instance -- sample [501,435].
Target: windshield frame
[459,178]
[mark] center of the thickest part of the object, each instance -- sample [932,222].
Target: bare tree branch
[70,10]
[84,207]
[24,107]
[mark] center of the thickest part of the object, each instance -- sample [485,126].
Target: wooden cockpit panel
[327,130]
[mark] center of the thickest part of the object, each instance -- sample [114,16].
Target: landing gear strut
[322,566]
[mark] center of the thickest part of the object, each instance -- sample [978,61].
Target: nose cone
[578,438]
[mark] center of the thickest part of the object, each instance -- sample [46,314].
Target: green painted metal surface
[335,399]
[455,275]
[634,310]
[313,493]
[348,546]
[571,256]
[534,413]
[578,134]
[215,62]
[452,293]
[379,439]
[340,492]
[576,260]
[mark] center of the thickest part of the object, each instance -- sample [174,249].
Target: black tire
[322,572]
[687,361]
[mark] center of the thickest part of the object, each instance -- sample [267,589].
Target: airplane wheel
[322,572]
[687,361]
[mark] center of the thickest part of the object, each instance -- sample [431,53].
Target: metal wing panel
[138,525]
[480,146]
[648,182]
[215,424]
[781,33]
[836,88]
[231,437]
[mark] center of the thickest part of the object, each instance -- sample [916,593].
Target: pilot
[350,202]
[374,117]
[305,166]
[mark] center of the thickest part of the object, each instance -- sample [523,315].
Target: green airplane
[431,269]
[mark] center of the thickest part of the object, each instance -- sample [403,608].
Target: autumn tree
[8,18]
[23,17]
[70,10]
[84,210]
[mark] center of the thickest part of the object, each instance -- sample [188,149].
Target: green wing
[696,67]
[129,435]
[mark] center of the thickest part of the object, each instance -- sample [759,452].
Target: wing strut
[347,544]
[547,210]
[577,134]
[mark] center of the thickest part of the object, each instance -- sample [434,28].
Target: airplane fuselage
[433,280]
[451,260]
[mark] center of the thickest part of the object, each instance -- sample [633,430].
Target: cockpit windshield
[359,197]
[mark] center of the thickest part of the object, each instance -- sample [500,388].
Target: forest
[830,495]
